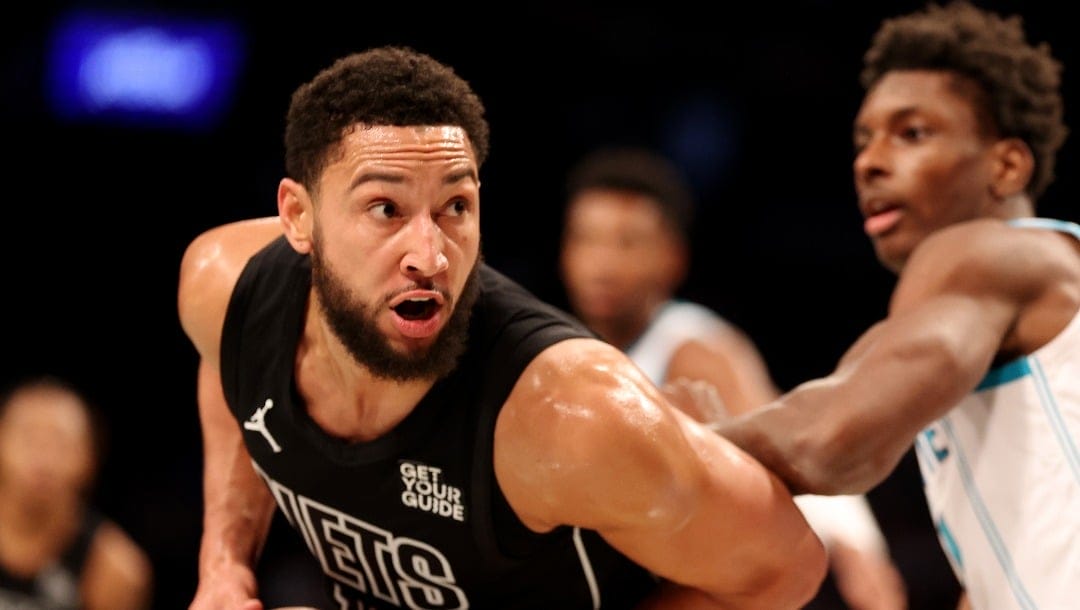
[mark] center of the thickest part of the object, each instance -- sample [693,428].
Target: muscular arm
[586,440]
[955,303]
[237,506]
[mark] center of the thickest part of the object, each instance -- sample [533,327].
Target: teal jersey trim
[1004,374]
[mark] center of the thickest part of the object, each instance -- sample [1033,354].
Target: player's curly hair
[395,86]
[640,171]
[1021,81]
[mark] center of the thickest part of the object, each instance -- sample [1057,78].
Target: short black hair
[1021,81]
[642,171]
[389,85]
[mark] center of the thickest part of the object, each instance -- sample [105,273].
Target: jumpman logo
[258,424]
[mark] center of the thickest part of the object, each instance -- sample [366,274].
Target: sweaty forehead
[390,145]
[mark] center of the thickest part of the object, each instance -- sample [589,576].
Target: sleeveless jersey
[414,518]
[676,323]
[1002,476]
[56,587]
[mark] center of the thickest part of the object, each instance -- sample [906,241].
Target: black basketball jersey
[415,518]
[55,587]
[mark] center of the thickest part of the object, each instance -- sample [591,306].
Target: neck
[1015,206]
[344,398]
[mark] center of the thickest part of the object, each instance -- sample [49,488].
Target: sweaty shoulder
[581,429]
[209,269]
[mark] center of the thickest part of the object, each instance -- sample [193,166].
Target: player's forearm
[818,440]
[234,529]
[236,520]
[845,433]
[237,506]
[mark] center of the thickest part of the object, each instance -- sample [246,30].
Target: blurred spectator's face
[46,447]
[619,258]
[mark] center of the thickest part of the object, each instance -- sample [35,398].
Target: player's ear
[1013,167]
[296,209]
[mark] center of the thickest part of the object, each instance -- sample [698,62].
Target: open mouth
[883,220]
[417,309]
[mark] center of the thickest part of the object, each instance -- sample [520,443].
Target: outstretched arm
[958,297]
[586,440]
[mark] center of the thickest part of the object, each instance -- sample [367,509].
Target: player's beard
[354,324]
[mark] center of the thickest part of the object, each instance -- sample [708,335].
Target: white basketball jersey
[1002,476]
[676,323]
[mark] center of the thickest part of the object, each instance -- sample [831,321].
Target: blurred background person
[57,552]
[625,253]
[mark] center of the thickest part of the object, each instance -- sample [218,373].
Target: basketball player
[978,360]
[439,437]
[56,551]
[625,252]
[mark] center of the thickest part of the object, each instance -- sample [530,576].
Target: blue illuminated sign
[140,69]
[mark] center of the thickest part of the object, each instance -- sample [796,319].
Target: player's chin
[892,251]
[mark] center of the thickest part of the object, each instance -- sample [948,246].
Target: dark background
[755,100]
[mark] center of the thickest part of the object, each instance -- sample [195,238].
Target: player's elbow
[789,580]
[782,568]
[798,580]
